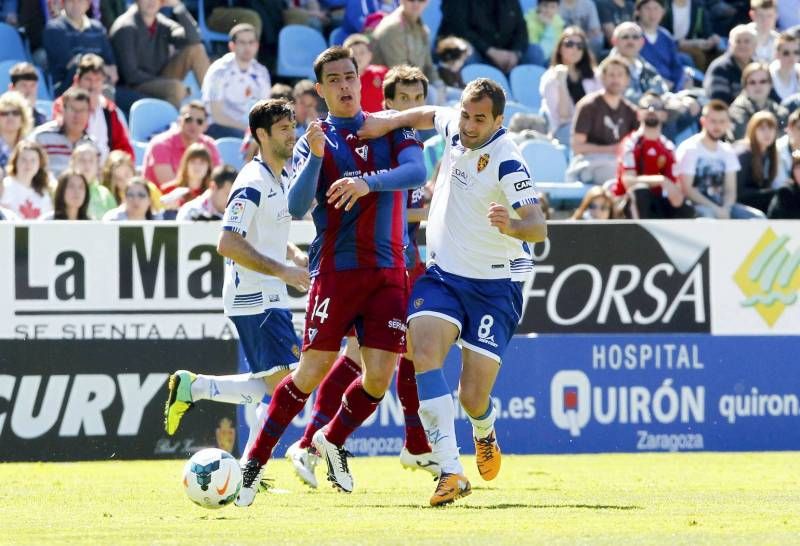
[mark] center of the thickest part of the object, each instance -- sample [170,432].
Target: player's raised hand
[297,277]
[498,216]
[346,191]
[316,138]
[376,125]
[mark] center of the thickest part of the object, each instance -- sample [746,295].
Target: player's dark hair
[484,87]
[266,113]
[223,174]
[330,55]
[406,75]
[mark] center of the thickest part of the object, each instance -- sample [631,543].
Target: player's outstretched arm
[383,123]
[234,247]
[531,225]
[308,155]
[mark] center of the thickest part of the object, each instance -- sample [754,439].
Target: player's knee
[474,401]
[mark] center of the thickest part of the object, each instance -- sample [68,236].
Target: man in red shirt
[371,75]
[645,167]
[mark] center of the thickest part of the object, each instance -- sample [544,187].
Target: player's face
[245,47]
[477,124]
[407,96]
[282,139]
[715,124]
[341,88]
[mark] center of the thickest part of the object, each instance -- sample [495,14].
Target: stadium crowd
[662,109]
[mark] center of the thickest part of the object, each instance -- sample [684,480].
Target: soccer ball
[212,478]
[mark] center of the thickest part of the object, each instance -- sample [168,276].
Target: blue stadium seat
[190,81]
[150,116]
[337,37]
[546,160]
[139,149]
[206,34]
[479,70]
[432,17]
[512,108]
[230,151]
[527,5]
[298,46]
[524,81]
[433,148]
[45,107]
[42,89]
[13,46]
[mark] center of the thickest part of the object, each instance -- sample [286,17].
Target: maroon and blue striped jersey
[373,233]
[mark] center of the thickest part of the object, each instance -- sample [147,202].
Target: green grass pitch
[702,498]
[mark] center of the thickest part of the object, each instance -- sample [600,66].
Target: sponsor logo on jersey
[409,134]
[312,333]
[236,211]
[397,324]
[296,351]
[363,151]
[274,298]
[483,160]
[418,303]
[523,185]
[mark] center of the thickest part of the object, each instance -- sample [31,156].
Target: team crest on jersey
[483,160]
[409,134]
[363,151]
[296,351]
[418,303]
[236,211]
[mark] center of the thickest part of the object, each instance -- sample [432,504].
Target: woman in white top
[15,123]
[137,204]
[569,78]
[25,189]
[785,69]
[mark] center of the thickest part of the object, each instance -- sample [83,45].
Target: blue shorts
[485,311]
[268,340]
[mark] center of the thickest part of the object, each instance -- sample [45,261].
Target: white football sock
[484,425]
[255,415]
[438,417]
[232,389]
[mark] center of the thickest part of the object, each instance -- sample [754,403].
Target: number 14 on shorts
[320,309]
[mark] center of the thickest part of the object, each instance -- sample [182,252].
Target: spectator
[597,204]
[612,13]
[306,105]
[569,78]
[270,13]
[788,144]
[646,164]
[452,53]
[726,14]
[496,31]
[222,16]
[371,74]
[689,22]
[764,16]
[71,35]
[110,10]
[105,122]
[15,123]
[356,12]
[234,83]
[707,167]
[86,161]
[117,171]
[305,12]
[583,14]
[210,205]
[71,199]
[25,187]
[165,151]
[194,174]
[137,203]
[723,79]
[659,47]
[760,167]
[755,96]
[402,38]
[602,118]
[25,80]
[60,136]
[545,26]
[785,69]
[281,91]
[785,203]
[142,37]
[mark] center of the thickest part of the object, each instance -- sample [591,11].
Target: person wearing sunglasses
[597,204]
[15,123]
[165,151]
[755,97]
[571,77]
[785,68]
[136,205]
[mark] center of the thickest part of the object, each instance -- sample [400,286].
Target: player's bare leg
[345,370]
[360,400]
[478,375]
[430,339]
[287,401]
